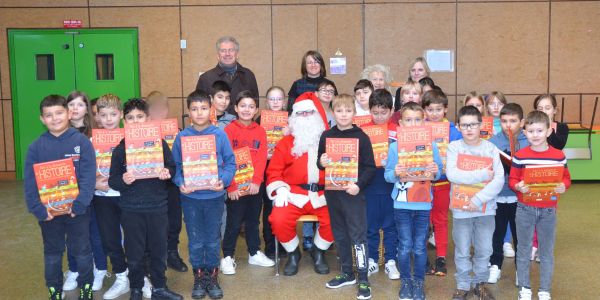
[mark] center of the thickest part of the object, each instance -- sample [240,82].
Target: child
[472,226]
[158,107]
[411,211]
[80,112]
[72,230]
[220,98]
[435,104]
[241,133]
[93,104]
[493,104]
[106,204]
[347,209]
[326,91]
[411,92]
[536,215]
[380,210]
[560,131]
[511,118]
[144,217]
[474,99]
[362,92]
[202,209]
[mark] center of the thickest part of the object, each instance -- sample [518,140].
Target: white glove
[281,199]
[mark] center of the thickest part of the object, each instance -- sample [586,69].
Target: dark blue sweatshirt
[48,148]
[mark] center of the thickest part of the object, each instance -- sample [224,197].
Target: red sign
[72,23]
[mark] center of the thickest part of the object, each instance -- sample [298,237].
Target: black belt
[313,187]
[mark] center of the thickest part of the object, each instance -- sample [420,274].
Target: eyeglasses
[275,99]
[231,50]
[466,126]
[305,113]
[314,62]
[327,92]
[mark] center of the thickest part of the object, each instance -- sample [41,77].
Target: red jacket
[255,137]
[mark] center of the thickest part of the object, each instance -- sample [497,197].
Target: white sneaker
[70,281]
[99,279]
[533,253]
[147,289]
[228,265]
[373,267]
[120,287]
[391,270]
[431,239]
[524,294]
[508,250]
[259,259]
[544,296]
[495,273]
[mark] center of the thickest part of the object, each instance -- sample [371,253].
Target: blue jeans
[478,232]
[100,260]
[380,215]
[203,225]
[543,220]
[412,227]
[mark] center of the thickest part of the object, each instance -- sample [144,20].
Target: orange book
[169,129]
[273,122]
[440,132]
[462,194]
[486,129]
[105,141]
[57,185]
[378,134]
[199,161]
[343,165]
[245,170]
[542,179]
[143,149]
[213,115]
[415,152]
[362,120]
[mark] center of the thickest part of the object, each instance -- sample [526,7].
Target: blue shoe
[308,244]
[418,290]
[406,290]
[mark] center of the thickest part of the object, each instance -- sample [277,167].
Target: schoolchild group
[148,211]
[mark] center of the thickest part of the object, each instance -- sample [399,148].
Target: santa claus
[296,184]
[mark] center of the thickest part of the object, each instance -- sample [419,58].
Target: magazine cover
[169,130]
[415,152]
[143,149]
[105,141]
[378,134]
[440,132]
[486,129]
[362,120]
[57,185]
[213,115]
[245,170]
[199,160]
[542,179]
[273,122]
[343,165]
[462,193]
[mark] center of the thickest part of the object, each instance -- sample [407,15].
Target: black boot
[165,294]
[135,294]
[212,284]
[199,290]
[320,263]
[175,262]
[291,266]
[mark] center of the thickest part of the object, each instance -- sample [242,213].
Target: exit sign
[72,23]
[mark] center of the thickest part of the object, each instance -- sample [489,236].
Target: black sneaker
[364,291]
[308,243]
[406,292]
[460,295]
[418,290]
[54,294]
[212,284]
[341,280]
[482,292]
[86,292]
[440,266]
[136,294]
[175,262]
[199,289]
[165,294]
[429,270]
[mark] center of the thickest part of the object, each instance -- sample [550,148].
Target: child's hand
[352,189]
[432,168]
[102,183]
[560,188]
[522,187]
[472,207]
[400,170]
[285,130]
[324,160]
[490,173]
[49,218]
[234,196]
[184,190]
[128,178]
[164,174]
[254,189]
[218,186]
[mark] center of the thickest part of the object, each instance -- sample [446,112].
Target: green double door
[58,61]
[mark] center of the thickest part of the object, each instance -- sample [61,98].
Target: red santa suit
[300,176]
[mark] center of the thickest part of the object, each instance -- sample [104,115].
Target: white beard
[307,132]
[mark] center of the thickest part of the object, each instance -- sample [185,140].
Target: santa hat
[310,101]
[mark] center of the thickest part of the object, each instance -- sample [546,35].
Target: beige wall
[521,48]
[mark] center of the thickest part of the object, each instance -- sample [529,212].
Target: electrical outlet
[183,44]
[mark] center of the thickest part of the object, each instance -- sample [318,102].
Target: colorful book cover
[343,165]
[378,134]
[245,170]
[415,152]
[57,185]
[440,132]
[486,129]
[463,193]
[273,122]
[542,179]
[212,116]
[143,149]
[362,120]
[169,130]
[105,141]
[199,160]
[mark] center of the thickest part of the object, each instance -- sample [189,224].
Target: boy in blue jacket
[60,142]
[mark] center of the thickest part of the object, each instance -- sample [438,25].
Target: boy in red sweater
[538,215]
[244,132]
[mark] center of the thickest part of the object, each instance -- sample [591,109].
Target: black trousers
[145,231]
[505,214]
[108,214]
[348,216]
[175,216]
[267,232]
[245,210]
